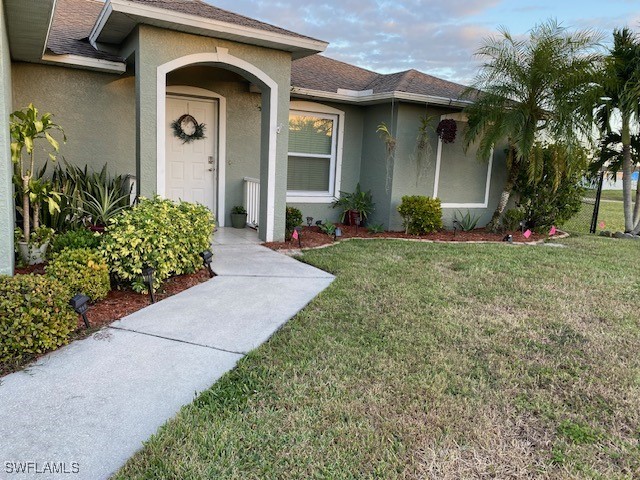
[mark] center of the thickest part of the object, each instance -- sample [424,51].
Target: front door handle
[210,160]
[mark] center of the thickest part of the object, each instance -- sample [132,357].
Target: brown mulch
[312,237]
[118,304]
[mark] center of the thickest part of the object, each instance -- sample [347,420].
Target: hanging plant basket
[447,130]
[187,128]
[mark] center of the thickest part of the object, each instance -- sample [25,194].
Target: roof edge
[343,97]
[306,45]
[86,63]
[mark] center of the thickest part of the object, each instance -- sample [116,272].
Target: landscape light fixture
[318,223]
[299,230]
[80,303]
[337,233]
[523,224]
[508,238]
[147,276]
[309,221]
[207,256]
[357,221]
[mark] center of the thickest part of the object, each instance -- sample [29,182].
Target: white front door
[192,167]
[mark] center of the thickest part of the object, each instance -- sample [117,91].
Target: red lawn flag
[294,235]
[527,234]
[553,231]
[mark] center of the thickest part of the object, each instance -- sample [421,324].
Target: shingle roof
[202,9]
[74,19]
[71,26]
[318,72]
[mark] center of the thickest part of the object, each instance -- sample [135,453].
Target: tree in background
[617,116]
[529,91]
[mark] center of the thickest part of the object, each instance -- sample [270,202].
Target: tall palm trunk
[627,172]
[495,224]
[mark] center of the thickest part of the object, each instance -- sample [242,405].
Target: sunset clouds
[437,37]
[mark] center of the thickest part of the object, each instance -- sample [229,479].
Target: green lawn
[611,195]
[432,361]
[611,213]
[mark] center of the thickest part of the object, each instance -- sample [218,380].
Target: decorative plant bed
[118,304]
[312,237]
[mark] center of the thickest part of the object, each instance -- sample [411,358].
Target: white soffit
[28,24]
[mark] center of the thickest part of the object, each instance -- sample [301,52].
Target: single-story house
[284,125]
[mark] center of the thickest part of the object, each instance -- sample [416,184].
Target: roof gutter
[87,63]
[379,97]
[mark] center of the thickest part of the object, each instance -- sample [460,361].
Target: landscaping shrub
[420,214]
[82,270]
[35,316]
[163,234]
[549,202]
[512,218]
[73,239]
[293,219]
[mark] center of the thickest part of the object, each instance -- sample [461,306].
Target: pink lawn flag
[294,235]
[527,234]
[553,231]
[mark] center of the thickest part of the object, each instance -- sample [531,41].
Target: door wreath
[187,128]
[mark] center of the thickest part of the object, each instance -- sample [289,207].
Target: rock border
[299,251]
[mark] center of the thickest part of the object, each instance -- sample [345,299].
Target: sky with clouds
[436,37]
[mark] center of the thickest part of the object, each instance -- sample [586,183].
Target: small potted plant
[356,207]
[238,216]
[34,251]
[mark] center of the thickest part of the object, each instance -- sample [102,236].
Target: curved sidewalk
[88,407]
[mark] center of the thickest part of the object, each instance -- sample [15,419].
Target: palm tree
[529,92]
[620,102]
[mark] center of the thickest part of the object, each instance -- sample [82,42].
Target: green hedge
[81,238]
[161,233]
[293,219]
[35,316]
[83,270]
[421,214]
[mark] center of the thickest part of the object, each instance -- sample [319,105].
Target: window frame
[335,159]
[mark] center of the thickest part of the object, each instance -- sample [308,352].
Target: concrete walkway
[88,407]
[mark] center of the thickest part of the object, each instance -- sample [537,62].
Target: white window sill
[311,198]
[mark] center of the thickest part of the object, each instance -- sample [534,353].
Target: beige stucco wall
[374,174]
[155,47]
[96,110]
[458,183]
[7,209]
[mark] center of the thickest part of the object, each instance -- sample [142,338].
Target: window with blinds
[312,153]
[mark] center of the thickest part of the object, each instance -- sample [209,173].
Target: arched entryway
[269,129]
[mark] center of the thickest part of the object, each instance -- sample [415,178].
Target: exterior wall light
[147,276]
[80,303]
[207,256]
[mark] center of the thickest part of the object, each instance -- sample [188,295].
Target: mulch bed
[312,237]
[118,304]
